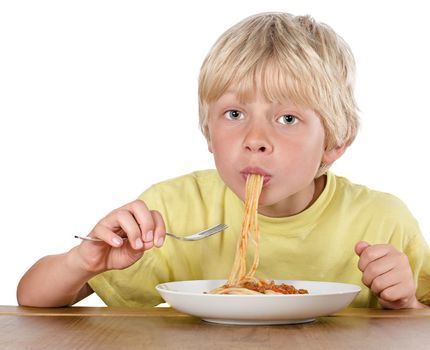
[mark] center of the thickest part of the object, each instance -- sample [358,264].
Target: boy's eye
[233,115]
[287,119]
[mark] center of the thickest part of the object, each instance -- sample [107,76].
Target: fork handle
[95,239]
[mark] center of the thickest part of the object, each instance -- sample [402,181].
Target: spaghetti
[241,281]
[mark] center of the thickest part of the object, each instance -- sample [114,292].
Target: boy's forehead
[269,75]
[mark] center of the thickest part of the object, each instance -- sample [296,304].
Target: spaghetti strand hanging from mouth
[241,281]
[254,184]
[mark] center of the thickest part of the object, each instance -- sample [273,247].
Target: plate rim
[354,289]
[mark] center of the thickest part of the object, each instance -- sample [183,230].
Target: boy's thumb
[360,247]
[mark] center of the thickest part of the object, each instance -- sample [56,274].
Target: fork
[193,237]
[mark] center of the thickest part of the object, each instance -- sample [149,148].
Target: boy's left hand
[386,271]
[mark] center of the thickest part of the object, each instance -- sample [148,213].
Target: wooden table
[164,328]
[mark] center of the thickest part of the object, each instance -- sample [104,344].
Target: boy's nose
[256,147]
[257,141]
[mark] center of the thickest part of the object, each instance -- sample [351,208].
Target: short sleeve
[418,253]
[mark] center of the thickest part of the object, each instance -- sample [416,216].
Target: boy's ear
[330,156]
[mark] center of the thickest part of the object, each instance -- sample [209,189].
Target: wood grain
[164,328]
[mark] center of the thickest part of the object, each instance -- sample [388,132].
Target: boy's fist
[387,272]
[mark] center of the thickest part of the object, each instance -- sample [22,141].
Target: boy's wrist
[77,265]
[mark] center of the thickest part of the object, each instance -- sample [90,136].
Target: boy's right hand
[144,228]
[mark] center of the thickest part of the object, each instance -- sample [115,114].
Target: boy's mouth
[255,170]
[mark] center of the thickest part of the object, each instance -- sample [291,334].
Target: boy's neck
[320,183]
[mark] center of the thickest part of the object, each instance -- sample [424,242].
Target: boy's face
[283,142]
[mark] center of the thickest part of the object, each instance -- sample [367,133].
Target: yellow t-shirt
[316,244]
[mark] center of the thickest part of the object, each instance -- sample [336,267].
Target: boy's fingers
[381,282]
[147,245]
[105,234]
[395,293]
[144,219]
[360,246]
[394,305]
[379,268]
[160,228]
[131,228]
[372,253]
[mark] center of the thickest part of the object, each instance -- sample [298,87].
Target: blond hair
[289,58]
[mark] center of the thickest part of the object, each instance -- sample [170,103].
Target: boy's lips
[255,170]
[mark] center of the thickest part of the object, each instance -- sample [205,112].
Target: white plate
[324,298]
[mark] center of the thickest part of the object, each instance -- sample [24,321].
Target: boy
[276,99]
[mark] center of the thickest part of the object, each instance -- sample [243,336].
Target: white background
[98,100]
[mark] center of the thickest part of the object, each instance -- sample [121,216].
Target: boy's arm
[60,280]
[54,281]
